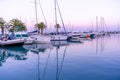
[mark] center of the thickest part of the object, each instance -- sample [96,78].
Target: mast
[55,3]
[97,23]
[118,26]
[36,12]
[92,26]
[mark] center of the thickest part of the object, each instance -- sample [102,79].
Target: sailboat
[58,37]
[37,37]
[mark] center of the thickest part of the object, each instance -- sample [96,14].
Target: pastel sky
[74,12]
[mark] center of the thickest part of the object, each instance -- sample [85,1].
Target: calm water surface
[97,59]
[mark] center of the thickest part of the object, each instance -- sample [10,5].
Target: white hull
[40,39]
[15,42]
[76,39]
[58,38]
[28,41]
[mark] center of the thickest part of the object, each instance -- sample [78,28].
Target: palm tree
[57,26]
[40,26]
[17,25]
[2,24]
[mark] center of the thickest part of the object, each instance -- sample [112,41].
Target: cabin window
[18,36]
[24,35]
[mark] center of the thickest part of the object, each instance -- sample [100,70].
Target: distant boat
[82,34]
[75,39]
[80,37]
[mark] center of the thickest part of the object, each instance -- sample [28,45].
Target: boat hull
[15,42]
[58,38]
[40,39]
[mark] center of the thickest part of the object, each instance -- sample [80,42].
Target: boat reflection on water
[62,60]
[60,48]
[42,48]
[42,72]
[16,53]
[37,48]
[60,57]
[59,43]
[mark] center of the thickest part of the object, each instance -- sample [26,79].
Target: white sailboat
[58,37]
[38,38]
[41,39]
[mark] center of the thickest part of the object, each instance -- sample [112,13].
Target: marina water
[94,59]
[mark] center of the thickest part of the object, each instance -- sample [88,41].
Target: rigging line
[61,17]
[36,11]
[42,12]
